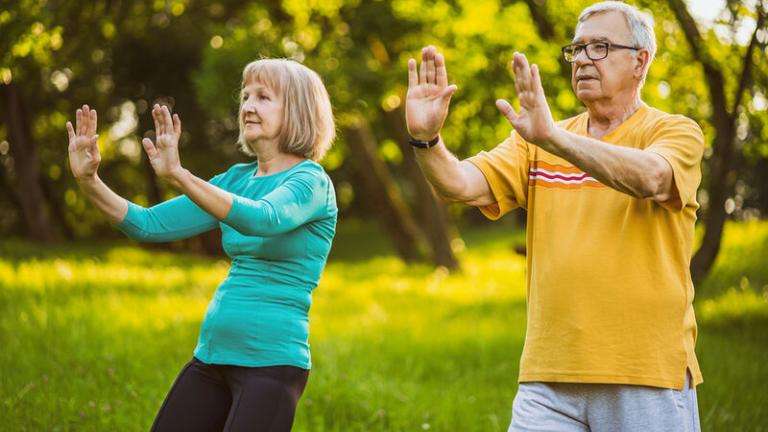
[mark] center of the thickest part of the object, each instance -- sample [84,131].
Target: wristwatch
[423,144]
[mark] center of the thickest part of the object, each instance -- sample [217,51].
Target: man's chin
[585,96]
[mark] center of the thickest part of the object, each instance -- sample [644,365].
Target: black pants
[208,398]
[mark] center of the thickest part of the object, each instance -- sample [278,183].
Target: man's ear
[641,62]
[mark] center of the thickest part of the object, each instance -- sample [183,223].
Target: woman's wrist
[87,181]
[178,177]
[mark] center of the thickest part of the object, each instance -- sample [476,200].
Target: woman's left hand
[164,152]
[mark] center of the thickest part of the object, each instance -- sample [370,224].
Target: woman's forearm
[215,201]
[108,202]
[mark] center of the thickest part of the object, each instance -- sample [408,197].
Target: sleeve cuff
[679,201]
[503,205]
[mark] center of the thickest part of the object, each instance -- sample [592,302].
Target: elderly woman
[277,217]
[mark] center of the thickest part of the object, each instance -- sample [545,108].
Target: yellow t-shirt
[609,288]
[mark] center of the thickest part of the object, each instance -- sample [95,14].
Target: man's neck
[606,116]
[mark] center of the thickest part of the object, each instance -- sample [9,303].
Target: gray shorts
[565,407]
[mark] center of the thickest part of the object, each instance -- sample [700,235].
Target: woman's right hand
[84,156]
[426,105]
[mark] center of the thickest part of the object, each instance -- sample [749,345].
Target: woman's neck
[275,161]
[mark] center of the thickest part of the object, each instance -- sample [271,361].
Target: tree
[724,118]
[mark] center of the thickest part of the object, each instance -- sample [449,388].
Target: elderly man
[611,200]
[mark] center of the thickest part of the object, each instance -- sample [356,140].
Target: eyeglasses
[594,50]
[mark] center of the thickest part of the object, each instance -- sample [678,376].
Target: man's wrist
[423,143]
[552,140]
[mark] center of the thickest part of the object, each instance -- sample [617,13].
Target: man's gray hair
[640,25]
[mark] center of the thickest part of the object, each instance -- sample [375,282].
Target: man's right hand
[429,95]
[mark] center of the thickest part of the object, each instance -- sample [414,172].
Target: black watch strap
[423,144]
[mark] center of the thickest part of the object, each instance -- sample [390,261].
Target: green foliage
[122,57]
[94,335]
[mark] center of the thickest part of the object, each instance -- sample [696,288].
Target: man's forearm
[638,173]
[441,169]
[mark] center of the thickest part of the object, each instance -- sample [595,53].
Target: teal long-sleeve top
[278,234]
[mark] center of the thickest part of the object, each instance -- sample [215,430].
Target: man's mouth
[586,78]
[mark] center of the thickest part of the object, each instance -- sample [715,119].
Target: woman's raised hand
[429,95]
[164,152]
[84,156]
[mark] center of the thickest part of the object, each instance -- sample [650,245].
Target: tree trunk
[57,208]
[724,121]
[26,176]
[431,213]
[376,184]
[546,30]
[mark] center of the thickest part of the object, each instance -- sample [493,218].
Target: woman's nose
[249,106]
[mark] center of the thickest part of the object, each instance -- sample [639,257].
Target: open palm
[164,152]
[429,95]
[84,156]
[534,122]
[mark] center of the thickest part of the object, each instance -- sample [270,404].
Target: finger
[70,131]
[506,109]
[522,71]
[536,80]
[431,65]
[177,125]
[94,148]
[86,119]
[516,70]
[441,74]
[167,120]
[423,69]
[155,119]
[92,123]
[160,122]
[449,91]
[149,148]
[79,121]
[413,76]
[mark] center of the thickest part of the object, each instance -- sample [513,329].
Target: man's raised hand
[534,122]
[429,95]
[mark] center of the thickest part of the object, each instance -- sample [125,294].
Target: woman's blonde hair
[308,128]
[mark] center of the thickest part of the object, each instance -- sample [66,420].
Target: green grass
[92,335]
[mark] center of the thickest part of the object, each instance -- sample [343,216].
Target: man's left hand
[534,122]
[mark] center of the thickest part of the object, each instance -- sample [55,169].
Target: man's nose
[581,58]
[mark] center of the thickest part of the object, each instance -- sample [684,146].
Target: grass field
[92,335]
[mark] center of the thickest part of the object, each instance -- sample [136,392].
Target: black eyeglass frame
[608,47]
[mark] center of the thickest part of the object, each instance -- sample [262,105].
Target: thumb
[449,91]
[507,110]
[149,148]
[95,144]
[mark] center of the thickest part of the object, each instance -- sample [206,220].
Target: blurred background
[419,319]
